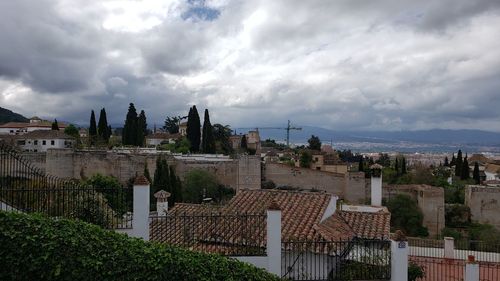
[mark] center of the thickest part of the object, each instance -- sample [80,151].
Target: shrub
[34,247]
[415,271]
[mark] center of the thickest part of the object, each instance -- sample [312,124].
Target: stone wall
[350,187]
[484,204]
[430,200]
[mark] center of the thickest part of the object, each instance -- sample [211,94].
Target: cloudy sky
[340,64]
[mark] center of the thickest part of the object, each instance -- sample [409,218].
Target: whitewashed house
[35,124]
[41,140]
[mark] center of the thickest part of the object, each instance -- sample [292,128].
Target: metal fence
[336,260]
[26,188]
[239,234]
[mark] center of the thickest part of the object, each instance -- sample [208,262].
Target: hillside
[9,116]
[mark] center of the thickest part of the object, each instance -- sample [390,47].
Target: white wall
[40,147]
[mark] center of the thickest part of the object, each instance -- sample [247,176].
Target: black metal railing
[336,260]
[26,188]
[239,234]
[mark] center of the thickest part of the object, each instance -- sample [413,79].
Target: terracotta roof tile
[141,180]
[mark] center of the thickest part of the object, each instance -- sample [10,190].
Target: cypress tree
[102,126]
[475,173]
[141,129]
[465,173]
[175,197]
[244,142]
[453,161]
[208,141]
[55,126]
[459,164]
[130,128]
[146,172]
[361,165]
[446,164]
[92,129]
[193,129]
[403,166]
[396,166]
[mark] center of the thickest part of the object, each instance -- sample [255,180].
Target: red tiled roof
[43,124]
[46,134]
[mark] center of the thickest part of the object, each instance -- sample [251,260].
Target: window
[35,142]
[318,168]
[52,142]
[21,142]
[44,142]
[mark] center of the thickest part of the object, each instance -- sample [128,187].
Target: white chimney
[162,202]
[332,206]
[376,185]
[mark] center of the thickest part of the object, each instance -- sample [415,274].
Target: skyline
[393,65]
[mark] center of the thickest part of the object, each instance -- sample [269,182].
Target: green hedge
[33,247]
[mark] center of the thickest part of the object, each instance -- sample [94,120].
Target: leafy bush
[113,191]
[406,215]
[34,247]
[415,271]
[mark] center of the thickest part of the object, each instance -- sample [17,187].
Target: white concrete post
[399,260]
[449,248]
[140,223]
[471,270]
[376,185]
[273,246]
[162,202]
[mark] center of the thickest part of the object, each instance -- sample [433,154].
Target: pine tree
[92,129]
[446,164]
[458,164]
[142,127]
[465,172]
[55,126]
[475,173]
[208,141]
[403,166]
[102,126]
[130,128]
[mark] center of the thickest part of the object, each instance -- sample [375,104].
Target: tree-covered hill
[9,116]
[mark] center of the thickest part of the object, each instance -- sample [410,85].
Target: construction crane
[288,128]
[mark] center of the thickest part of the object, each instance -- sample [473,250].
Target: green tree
[161,180]
[406,215]
[208,141]
[446,163]
[71,130]
[221,136]
[453,161]
[314,143]
[142,127]
[200,184]
[92,129]
[475,173]
[175,187]
[465,171]
[361,164]
[146,172]
[193,129]
[384,160]
[172,124]
[244,142]
[305,159]
[129,135]
[102,127]
[112,190]
[403,166]
[55,126]
[458,164]
[396,167]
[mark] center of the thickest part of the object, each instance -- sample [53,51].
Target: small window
[35,142]
[318,168]
[44,142]
[52,142]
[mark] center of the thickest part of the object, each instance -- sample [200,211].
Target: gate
[336,260]
[26,188]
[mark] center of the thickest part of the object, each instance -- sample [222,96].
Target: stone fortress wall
[484,204]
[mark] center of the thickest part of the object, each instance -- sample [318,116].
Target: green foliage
[208,141]
[314,143]
[450,232]
[9,116]
[92,129]
[465,173]
[415,272]
[172,124]
[112,190]
[55,126]
[455,194]
[406,215]
[305,159]
[200,184]
[142,128]
[384,160]
[71,130]
[38,248]
[272,143]
[353,270]
[475,173]
[484,232]
[102,127]
[221,136]
[458,164]
[130,127]
[457,216]
[180,146]
[193,129]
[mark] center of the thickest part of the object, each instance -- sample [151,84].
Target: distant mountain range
[9,116]
[436,140]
